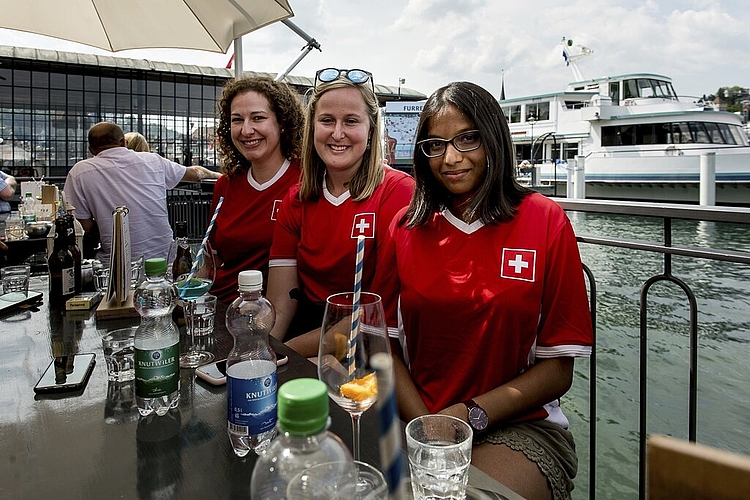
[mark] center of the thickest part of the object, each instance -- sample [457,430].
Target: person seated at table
[7,191]
[346,191]
[136,142]
[118,176]
[493,300]
[259,141]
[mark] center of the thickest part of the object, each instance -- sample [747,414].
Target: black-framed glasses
[463,143]
[358,76]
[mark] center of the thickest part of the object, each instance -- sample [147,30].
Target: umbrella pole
[238,57]
[311,44]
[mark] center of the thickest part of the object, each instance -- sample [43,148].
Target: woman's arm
[409,401]
[281,280]
[546,381]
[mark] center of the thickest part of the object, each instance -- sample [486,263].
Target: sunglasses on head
[357,76]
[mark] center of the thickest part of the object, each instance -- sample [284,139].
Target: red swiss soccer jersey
[243,230]
[481,302]
[321,236]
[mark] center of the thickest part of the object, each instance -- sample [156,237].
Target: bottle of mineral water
[157,342]
[303,441]
[251,368]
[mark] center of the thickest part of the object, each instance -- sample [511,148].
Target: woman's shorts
[548,445]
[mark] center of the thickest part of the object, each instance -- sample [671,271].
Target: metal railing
[191,206]
[667,213]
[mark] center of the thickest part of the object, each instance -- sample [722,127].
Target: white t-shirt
[120,176]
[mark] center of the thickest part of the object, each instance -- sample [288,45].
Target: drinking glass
[351,333]
[203,275]
[338,481]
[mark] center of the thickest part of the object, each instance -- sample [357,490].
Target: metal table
[92,444]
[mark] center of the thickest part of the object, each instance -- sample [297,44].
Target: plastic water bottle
[27,208]
[303,441]
[157,343]
[251,368]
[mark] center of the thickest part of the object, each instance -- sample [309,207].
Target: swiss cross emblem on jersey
[276,208]
[518,264]
[364,225]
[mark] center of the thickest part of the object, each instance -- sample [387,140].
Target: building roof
[385,92]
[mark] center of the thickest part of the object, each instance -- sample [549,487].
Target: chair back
[680,469]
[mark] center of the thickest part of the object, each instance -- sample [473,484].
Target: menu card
[119,260]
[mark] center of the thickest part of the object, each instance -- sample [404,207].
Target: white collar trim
[333,200]
[270,182]
[461,225]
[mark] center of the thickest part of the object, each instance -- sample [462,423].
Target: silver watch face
[478,418]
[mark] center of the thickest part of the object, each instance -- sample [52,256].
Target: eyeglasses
[358,76]
[463,143]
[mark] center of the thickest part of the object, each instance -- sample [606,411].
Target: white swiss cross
[518,264]
[364,225]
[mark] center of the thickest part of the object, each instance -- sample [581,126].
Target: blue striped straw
[355,304]
[203,243]
[389,440]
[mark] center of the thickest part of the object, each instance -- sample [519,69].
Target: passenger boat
[632,135]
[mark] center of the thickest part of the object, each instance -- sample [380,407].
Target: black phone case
[65,387]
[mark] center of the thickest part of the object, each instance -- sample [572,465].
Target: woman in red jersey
[492,297]
[346,191]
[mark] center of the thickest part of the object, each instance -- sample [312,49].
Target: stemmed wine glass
[202,275]
[344,353]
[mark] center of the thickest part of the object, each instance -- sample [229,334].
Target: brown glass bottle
[61,264]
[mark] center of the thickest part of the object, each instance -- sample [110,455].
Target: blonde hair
[136,142]
[370,173]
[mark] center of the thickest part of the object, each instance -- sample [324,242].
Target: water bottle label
[251,404]
[157,371]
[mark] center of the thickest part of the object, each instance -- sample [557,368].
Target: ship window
[630,89]
[713,133]
[739,135]
[626,137]
[514,114]
[609,136]
[645,134]
[726,133]
[661,130]
[644,88]
[681,133]
[699,133]
[614,93]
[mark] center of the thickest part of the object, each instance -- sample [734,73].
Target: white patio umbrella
[116,25]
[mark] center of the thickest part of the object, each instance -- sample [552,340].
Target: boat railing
[667,213]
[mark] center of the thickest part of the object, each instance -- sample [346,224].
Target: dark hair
[283,102]
[105,135]
[500,193]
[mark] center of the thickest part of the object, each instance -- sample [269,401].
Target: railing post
[580,177]
[708,179]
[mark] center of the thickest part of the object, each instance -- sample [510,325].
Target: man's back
[119,176]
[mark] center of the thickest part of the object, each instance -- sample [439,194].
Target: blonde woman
[136,142]
[346,191]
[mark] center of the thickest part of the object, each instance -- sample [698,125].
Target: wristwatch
[478,419]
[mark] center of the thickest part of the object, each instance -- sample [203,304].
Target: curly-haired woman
[259,138]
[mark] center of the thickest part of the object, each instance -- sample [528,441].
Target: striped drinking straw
[391,459]
[355,304]
[203,243]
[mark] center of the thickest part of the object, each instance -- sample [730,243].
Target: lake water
[722,291]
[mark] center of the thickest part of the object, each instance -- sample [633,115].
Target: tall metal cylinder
[708,179]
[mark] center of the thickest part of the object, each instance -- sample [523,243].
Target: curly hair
[284,104]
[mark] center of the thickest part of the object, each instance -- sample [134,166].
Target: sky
[701,44]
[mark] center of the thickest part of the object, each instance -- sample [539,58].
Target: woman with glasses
[259,140]
[346,191]
[492,296]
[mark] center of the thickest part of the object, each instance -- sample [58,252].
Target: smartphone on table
[216,373]
[66,374]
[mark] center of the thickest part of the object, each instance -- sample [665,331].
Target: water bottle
[157,343]
[251,368]
[27,208]
[303,440]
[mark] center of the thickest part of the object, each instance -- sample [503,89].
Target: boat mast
[571,59]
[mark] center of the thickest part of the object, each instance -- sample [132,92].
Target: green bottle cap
[303,406]
[155,267]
